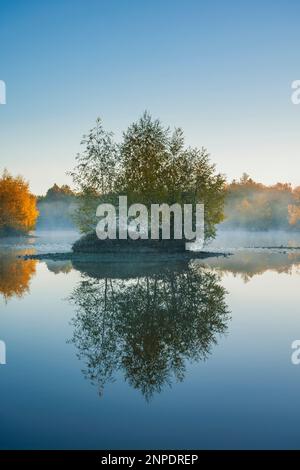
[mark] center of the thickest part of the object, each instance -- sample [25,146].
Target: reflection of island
[147,326]
[15,275]
[245,263]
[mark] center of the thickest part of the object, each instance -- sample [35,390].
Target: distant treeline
[254,206]
[56,208]
[248,206]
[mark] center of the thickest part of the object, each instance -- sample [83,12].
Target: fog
[56,215]
[237,239]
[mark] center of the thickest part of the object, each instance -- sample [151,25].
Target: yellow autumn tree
[294,214]
[18,211]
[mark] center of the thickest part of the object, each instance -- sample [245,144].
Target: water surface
[151,355]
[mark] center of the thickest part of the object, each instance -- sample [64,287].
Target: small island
[151,165]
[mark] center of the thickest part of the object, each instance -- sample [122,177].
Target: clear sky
[220,70]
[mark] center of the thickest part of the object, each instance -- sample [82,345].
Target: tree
[59,193]
[157,167]
[151,165]
[18,212]
[95,174]
[145,155]
[96,165]
[253,206]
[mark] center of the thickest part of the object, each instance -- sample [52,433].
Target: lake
[150,355]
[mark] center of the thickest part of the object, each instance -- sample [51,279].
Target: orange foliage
[18,212]
[294,214]
[15,275]
[254,206]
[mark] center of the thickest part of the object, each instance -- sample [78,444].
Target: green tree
[96,165]
[94,175]
[59,192]
[157,167]
[151,165]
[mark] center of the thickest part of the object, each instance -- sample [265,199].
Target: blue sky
[220,70]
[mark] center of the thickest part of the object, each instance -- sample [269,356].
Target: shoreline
[123,257]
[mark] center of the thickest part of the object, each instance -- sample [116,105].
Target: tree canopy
[58,193]
[150,165]
[18,212]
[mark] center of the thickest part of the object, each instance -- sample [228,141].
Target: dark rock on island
[90,243]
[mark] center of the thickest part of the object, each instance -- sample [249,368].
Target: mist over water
[240,239]
[56,215]
[40,241]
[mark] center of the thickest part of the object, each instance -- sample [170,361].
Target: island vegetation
[151,165]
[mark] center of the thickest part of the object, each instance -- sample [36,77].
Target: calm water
[150,355]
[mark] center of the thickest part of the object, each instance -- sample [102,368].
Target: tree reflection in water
[15,275]
[147,326]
